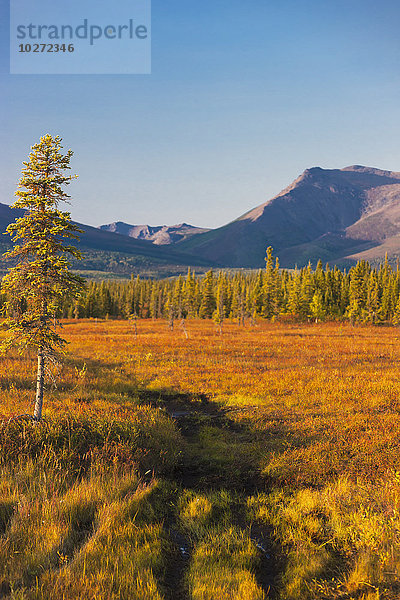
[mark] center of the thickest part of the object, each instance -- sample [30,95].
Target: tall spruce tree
[317,307]
[41,277]
[221,298]
[396,315]
[189,292]
[208,302]
[269,285]
[359,275]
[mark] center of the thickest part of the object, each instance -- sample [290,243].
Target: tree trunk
[37,415]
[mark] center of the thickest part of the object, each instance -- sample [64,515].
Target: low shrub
[149,440]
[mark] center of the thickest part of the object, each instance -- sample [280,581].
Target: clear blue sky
[244,95]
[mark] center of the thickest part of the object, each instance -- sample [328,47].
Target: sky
[243,96]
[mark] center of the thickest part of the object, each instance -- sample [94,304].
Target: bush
[149,440]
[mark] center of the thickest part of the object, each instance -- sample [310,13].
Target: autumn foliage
[282,437]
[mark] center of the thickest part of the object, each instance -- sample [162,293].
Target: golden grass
[118,561]
[222,567]
[316,412]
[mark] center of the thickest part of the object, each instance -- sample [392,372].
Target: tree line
[362,294]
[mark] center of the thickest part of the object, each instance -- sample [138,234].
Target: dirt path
[204,469]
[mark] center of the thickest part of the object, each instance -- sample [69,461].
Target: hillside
[337,215]
[332,214]
[107,251]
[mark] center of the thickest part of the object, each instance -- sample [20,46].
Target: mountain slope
[337,215]
[159,236]
[111,249]
[325,213]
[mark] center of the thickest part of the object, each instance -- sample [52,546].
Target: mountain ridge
[338,211]
[112,249]
[160,235]
[336,215]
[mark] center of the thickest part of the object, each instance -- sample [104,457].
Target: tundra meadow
[200,301]
[250,455]
[253,462]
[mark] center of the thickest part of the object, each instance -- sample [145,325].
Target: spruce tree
[396,315]
[307,290]
[219,313]
[189,291]
[41,277]
[154,300]
[178,297]
[388,300]
[208,303]
[317,307]
[359,275]
[373,298]
[295,302]
[269,285]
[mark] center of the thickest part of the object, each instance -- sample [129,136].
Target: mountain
[338,215]
[111,252]
[160,236]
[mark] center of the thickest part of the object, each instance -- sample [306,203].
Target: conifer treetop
[41,276]
[42,175]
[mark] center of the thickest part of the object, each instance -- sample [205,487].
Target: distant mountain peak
[324,213]
[107,251]
[336,215]
[361,168]
[372,171]
[160,235]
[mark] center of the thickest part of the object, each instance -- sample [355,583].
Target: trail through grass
[219,552]
[262,463]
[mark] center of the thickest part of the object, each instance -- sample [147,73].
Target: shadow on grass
[221,454]
[18,383]
[7,509]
